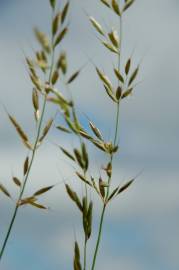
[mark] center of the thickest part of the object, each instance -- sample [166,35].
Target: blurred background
[141,226]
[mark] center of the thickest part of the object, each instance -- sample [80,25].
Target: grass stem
[24,184]
[30,164]
[99,237]
[85,253]
[111,160]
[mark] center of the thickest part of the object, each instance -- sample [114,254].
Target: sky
[141,226]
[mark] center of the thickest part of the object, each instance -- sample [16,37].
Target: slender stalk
[99,237]
[116,126]
[85,252]
[24,184]
[86,239]
[84,173]
[111,160]
[30,164]
[119,66]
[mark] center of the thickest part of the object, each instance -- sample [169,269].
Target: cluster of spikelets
[52,65]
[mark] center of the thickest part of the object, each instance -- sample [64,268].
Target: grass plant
[52,65]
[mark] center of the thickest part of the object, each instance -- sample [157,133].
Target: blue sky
[141,229]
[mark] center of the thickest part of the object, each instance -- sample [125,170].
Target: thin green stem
[85,252]
[24,184]
[86,239]
[111,161]
[30,164]
[84,173]
[119,67]
[99,237]
[117,125]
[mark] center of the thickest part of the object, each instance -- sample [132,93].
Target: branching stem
[111,161]
[30,164]
[24,183]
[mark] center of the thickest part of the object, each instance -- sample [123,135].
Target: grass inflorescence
[40,67]
[54,67]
